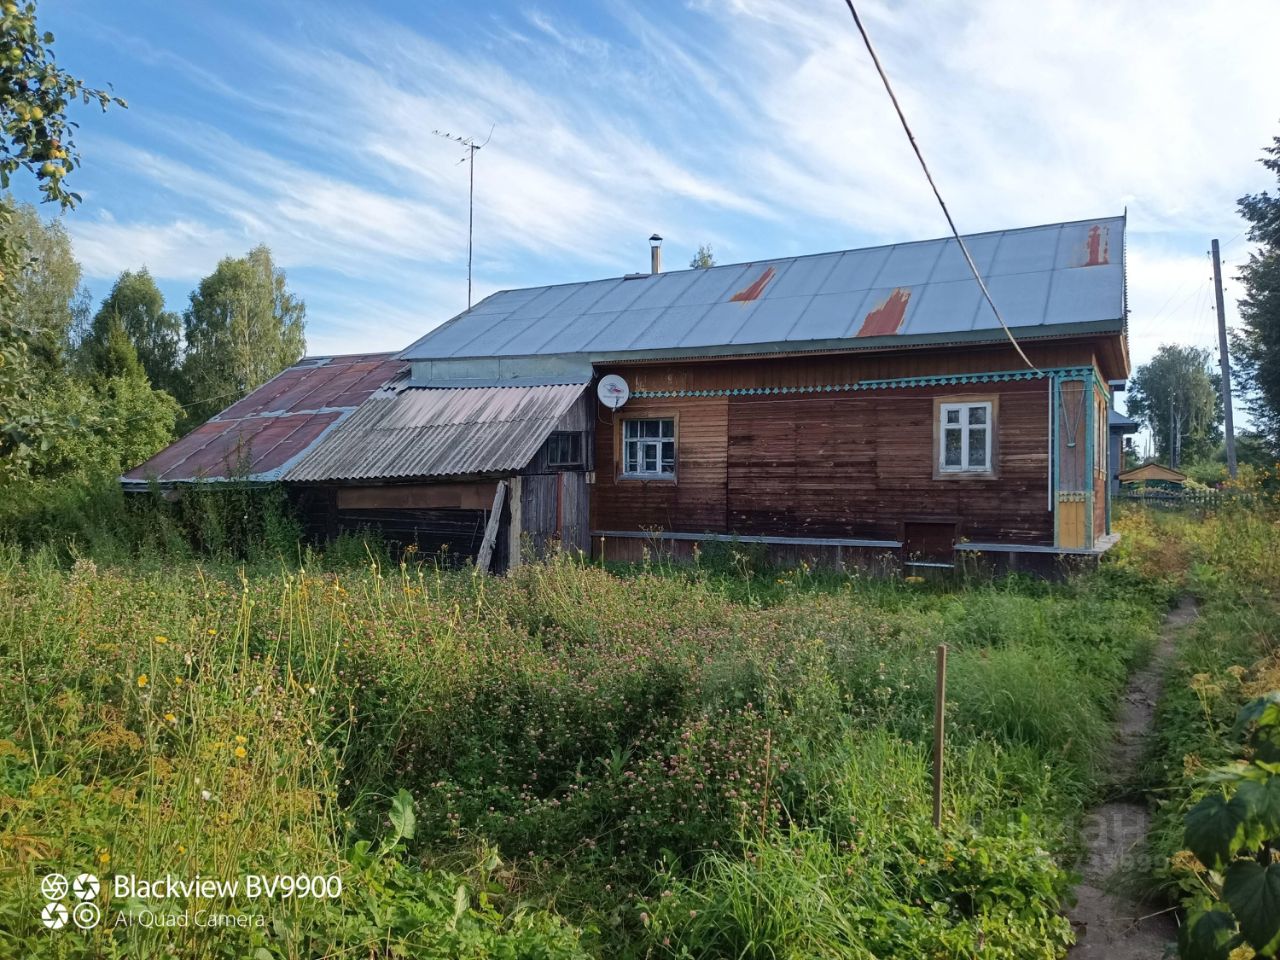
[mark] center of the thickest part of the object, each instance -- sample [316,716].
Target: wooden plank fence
[1200,499]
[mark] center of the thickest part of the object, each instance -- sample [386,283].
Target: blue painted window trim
[942,380]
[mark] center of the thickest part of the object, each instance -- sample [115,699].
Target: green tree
[35,135]
[119,421]
[242,328]
[703,258]
[50,302]
[1178,396]
[1257,343]
[135,307]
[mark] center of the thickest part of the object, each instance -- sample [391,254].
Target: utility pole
[1225,361]
[472,147]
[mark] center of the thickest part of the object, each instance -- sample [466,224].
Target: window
[564,450]
[649,448]
[965,438]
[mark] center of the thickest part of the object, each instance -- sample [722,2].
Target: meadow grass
[1230,561]
[624,762]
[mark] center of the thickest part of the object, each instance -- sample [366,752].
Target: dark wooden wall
[810,369]
[833,465]
[442,521]
[856,464]
[554,500]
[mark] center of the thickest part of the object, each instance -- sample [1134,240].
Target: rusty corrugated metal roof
[1043,277]
[257,437]
[434,432]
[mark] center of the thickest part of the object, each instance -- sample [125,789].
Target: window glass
[977,448]
[952,452]
[649,447]
[965,437]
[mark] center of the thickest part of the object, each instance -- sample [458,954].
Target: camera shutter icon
[54,915]
[85,886]
[53,886]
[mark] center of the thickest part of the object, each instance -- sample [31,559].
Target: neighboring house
[839,407]
[1153,475]
[1119,426]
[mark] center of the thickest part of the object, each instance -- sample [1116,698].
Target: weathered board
[833,464]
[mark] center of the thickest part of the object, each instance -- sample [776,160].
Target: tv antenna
[472,147]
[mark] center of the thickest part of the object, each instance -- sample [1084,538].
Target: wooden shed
[460,473]
[1155,474]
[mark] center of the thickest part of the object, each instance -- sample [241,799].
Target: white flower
[206,795]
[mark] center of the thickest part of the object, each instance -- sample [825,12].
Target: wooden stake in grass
[939,733]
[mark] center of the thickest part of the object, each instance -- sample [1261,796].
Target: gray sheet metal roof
[1118,421]
[1041,277]
[417,432]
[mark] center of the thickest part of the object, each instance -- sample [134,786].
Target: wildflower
[212,632]
[142,680]
[177,681]
[181,849]
[206,795]
[170,718]
[103,857]
[240,739]
[240,753]
[161,639]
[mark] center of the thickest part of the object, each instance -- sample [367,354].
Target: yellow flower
[177,681]
[142,680]
[241,752]
[181,848]
[240,739]
[160,639]
[170,718]
[103,857]
[212,632]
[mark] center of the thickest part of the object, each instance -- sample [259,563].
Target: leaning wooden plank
[485,557]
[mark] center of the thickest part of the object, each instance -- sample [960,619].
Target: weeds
[577,741]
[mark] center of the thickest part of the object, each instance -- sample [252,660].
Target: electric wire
[964,248]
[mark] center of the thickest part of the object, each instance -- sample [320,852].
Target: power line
[866,39]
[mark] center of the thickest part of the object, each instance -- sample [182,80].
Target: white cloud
[756,124]
[178,249]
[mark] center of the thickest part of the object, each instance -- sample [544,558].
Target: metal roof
[431,432]
[1042,278]
[257,437]
[1118,421]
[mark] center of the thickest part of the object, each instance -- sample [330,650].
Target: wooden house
[850,407]
[1153,475]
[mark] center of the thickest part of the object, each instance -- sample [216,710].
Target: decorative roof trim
[892,384]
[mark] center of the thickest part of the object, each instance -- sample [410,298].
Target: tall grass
[577,741]
[1230,561]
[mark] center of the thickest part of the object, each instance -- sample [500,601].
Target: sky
[757,126]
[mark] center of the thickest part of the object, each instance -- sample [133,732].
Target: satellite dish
[613,391]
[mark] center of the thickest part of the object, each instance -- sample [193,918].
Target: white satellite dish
[613,391]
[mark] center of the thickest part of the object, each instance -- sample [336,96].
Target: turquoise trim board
[962,379]
[1091,414]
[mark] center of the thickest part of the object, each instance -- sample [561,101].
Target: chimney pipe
[655,254]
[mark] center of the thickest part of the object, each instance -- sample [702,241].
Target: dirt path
[1112,926]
